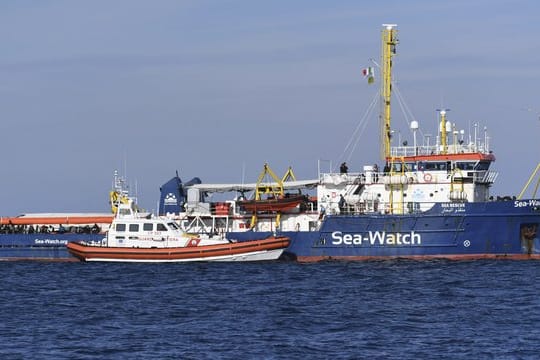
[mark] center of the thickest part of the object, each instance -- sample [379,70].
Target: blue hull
[453,231]
[509,229]
[40,246]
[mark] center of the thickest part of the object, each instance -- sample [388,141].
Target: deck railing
[397,151]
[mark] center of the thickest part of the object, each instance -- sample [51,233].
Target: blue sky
[217,88]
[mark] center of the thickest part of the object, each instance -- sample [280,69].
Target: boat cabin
[130,228]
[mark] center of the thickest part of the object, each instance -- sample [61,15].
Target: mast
[444,128]
[389,42]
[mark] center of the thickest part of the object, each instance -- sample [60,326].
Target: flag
[370,74]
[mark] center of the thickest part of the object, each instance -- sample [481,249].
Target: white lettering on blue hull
[532,202]
[376,238]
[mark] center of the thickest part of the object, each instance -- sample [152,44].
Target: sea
[395,309]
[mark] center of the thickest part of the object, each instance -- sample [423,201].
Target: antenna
[486,140]
[444,128]
[125,164]
[243,172]
[414,128]
[475,135]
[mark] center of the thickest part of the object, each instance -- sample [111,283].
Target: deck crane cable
[358,131]
[349,149]
[407,113]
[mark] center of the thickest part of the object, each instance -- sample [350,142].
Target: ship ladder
[398,187]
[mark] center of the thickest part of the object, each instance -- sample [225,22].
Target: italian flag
[370,74]
[367,71]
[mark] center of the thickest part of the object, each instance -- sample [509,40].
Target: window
[133,227]
[148,226]
[435,166]
[173,226]
[161,227]
[410,167]
[124,211]
[465,165]
[483,165]
[120,227]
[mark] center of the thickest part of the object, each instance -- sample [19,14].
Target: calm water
[372,310]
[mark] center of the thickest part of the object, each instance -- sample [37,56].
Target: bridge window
[124,212]
[465,165]
[120,227]
[396,167]
[133,227]
[482,165]
[161,227]
[148,226]
[435,166]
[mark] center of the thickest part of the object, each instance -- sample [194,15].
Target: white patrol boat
[136,238]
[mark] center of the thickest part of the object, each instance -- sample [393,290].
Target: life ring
[427,177]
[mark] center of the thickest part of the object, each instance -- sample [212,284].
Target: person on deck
[375,173]
[342,203]
[343,168]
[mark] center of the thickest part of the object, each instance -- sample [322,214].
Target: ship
[428,200]
[44,236]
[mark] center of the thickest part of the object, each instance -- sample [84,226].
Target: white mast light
[389,26]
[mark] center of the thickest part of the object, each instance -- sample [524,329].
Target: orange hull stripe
[91,252]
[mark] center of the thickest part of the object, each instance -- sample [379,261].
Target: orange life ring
[427,177]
